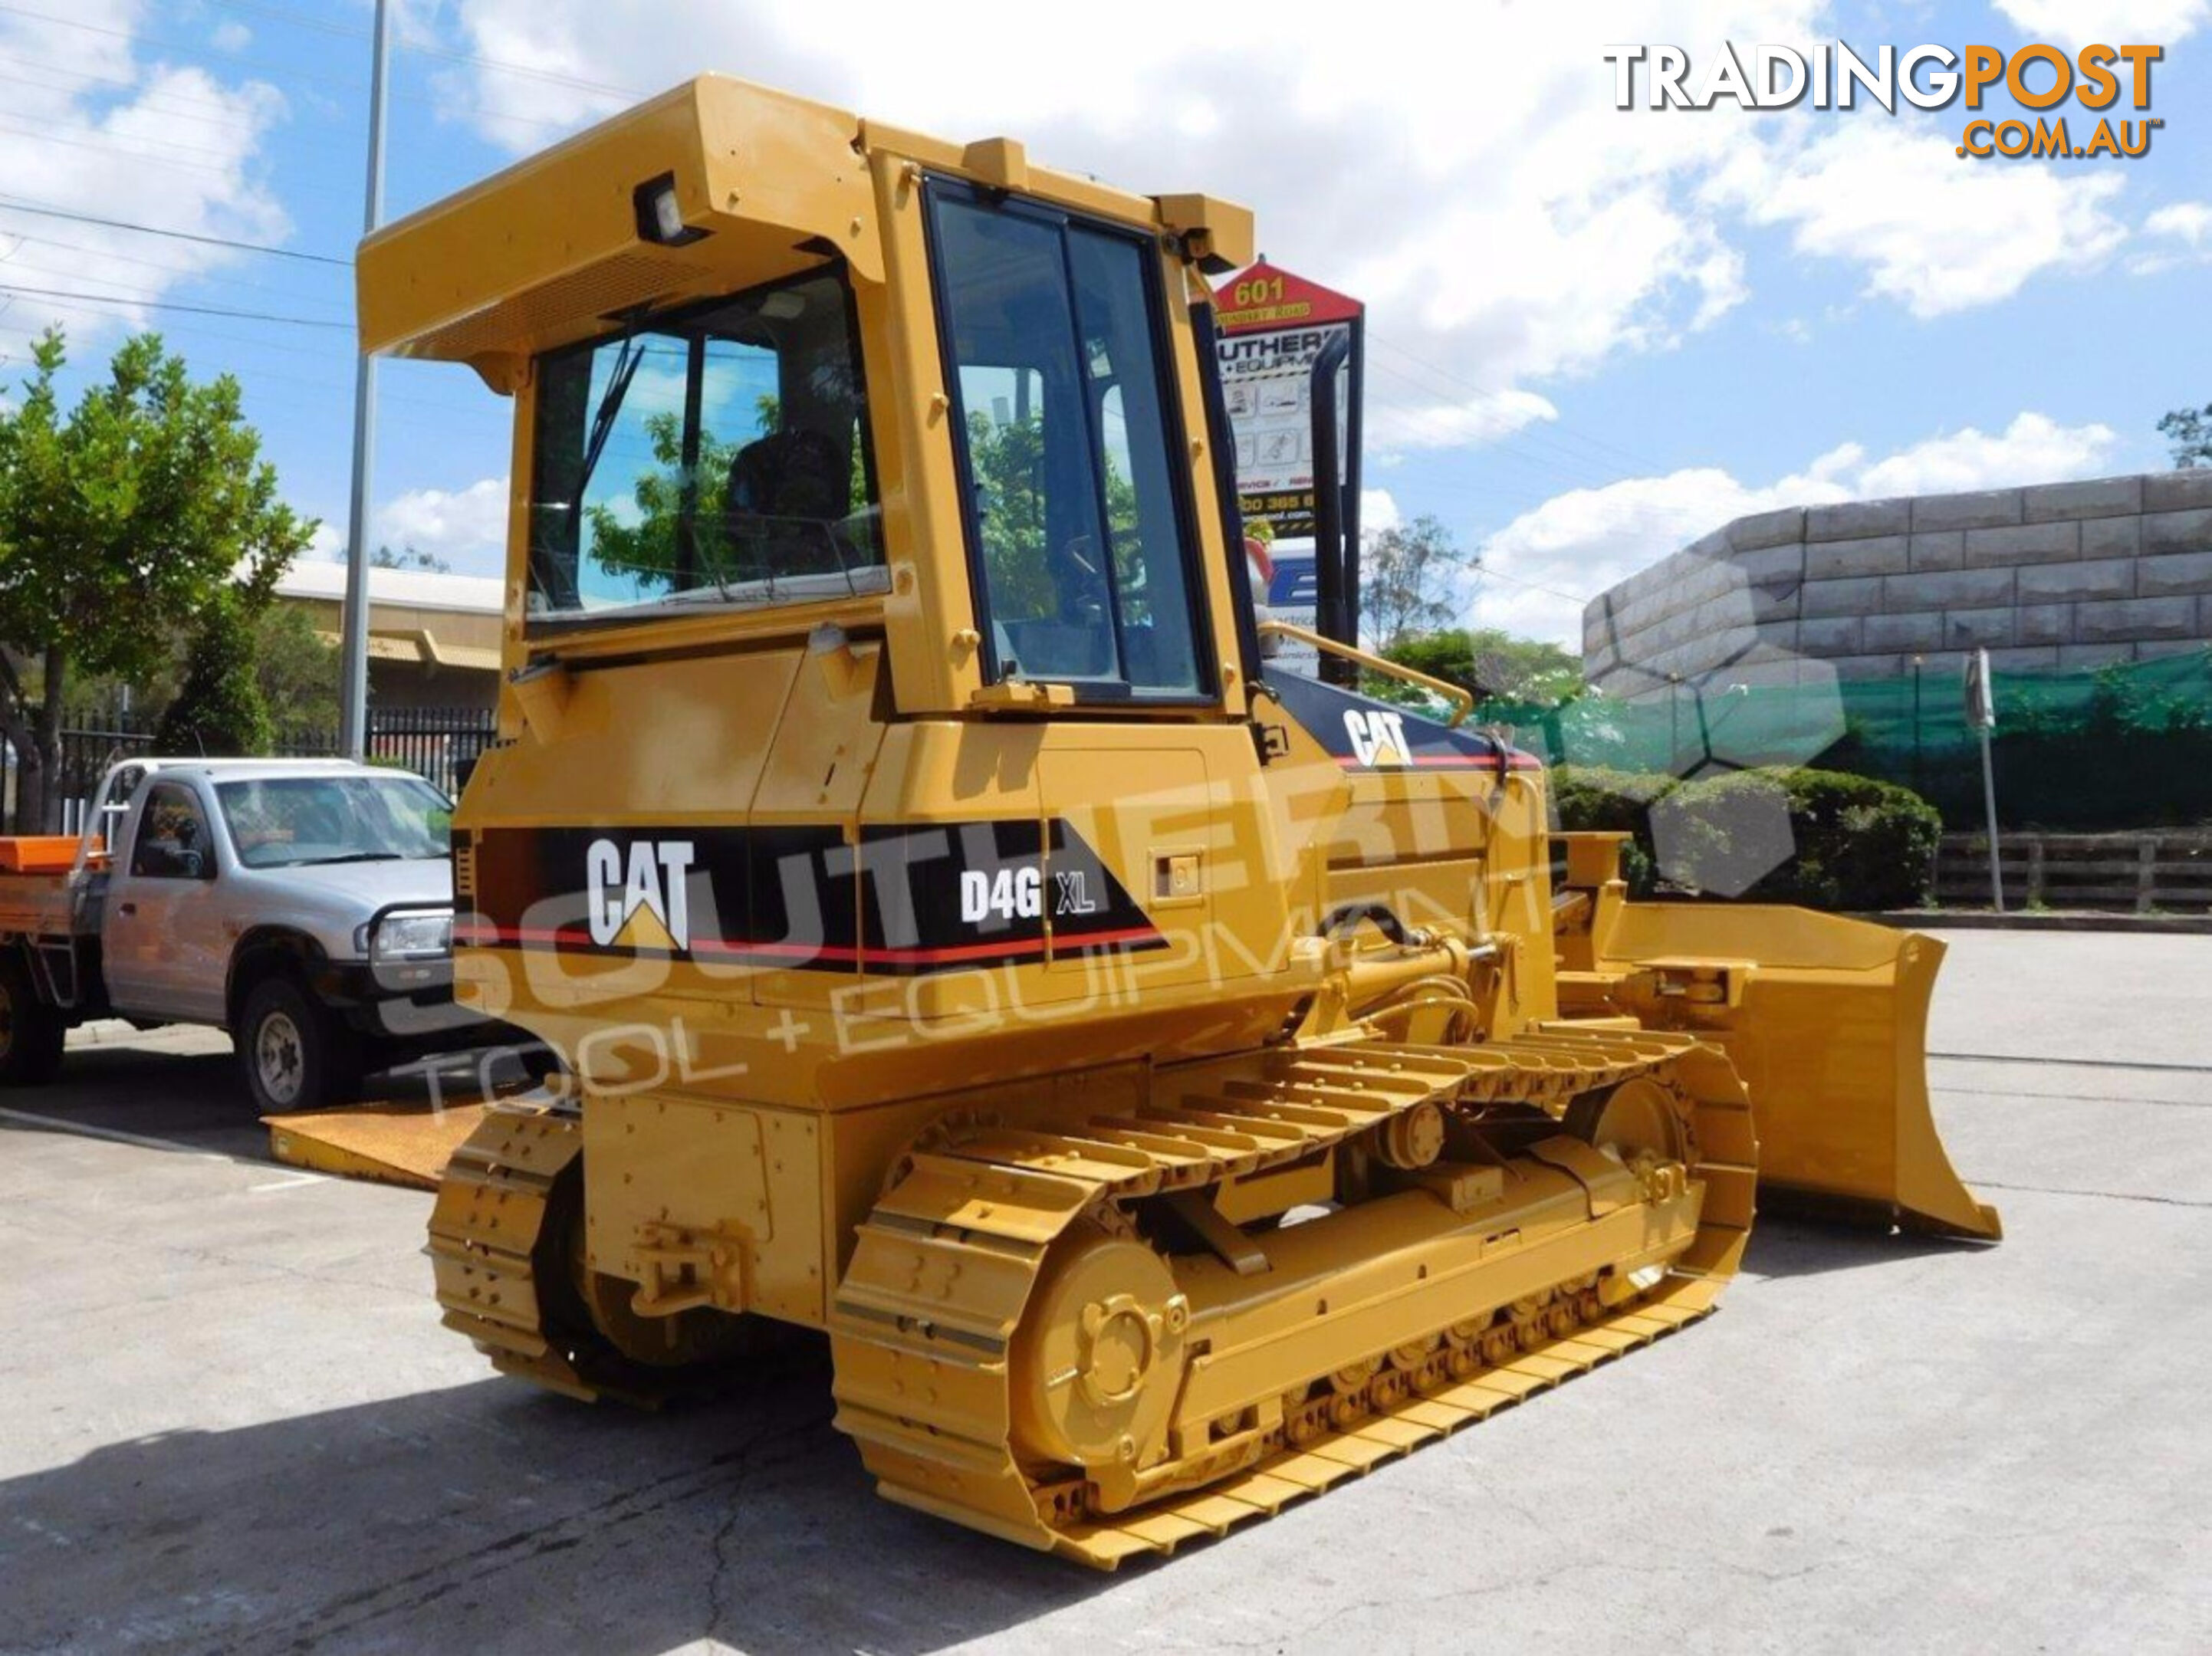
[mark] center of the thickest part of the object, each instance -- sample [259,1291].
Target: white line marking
[117,1136]
[292,1183]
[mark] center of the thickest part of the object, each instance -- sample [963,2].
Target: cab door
[1091,594]
[164,949]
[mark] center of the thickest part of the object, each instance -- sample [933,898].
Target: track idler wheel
[1640,1117]
[1098,1360]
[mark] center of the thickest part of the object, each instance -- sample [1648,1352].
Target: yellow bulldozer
[1173,1085]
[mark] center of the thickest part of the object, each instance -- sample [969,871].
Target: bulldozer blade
[387,1145]
[1827,1024]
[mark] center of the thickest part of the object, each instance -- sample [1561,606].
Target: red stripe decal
[1520,761]
[488,936]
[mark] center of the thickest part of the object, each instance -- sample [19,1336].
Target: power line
[302,20]
[1573,469]
[1483,571]
[153,102]
[443,106]
[141,157]
[47,125]
[189,272]
[20,204]
[257,384]
[127,83]
[191,49]
[1558,431]
[172,305]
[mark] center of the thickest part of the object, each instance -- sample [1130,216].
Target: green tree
[1406,581]
[1009,462]
[1495,665]
[644,541]
[646,547]
[407,558]
[296,671]
[220,712]
[2190,430]
[138,508]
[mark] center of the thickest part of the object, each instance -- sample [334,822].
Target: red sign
[1264,297]
[1273,328]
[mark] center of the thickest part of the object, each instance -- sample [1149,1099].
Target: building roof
[402,589]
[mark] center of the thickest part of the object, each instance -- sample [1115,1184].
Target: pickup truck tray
[38,853]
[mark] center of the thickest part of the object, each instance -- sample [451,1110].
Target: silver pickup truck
[306,905]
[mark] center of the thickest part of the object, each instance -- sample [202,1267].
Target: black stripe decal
[915,898]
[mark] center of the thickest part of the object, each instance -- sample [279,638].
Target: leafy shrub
[1592,799]
[219,711]
[1859,843]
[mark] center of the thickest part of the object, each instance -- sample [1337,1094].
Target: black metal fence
[438,742]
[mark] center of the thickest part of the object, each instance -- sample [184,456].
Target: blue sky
[1598,333]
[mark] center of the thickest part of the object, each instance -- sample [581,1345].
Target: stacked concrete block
[2059,576]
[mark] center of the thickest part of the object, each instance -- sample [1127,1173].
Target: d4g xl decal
[922,899]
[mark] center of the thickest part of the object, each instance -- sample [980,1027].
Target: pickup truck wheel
[296,1052]
[31,1032]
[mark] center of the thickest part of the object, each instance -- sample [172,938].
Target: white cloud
[2183,220]
[1534,233]
[1479,418]
[2186,227]
[148,144]
[1541,567]
[466,528]
[1378,511]
[327,543]
[1937,234]
[2033,449]
[231,35]
[2114,22]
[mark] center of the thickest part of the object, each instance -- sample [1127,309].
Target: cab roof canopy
[557,247]
[713,187]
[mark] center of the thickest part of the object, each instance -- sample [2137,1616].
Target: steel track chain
[926,1316]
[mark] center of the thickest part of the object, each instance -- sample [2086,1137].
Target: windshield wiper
[353,857]
[632,355]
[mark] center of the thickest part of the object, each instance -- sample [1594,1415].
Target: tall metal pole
[1982,715]
[353,705]
[1990,802]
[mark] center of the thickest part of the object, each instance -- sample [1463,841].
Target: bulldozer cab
[871,528]
[776,366]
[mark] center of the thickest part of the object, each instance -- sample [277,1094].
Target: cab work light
[661,215]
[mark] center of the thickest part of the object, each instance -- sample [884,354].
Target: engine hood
[368,886]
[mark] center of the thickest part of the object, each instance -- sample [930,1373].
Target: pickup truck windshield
[293,821]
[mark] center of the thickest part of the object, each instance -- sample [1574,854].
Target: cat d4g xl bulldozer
[1173,1085]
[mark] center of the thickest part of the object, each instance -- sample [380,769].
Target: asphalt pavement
[229,1419]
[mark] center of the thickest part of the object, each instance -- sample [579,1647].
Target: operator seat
[787,491]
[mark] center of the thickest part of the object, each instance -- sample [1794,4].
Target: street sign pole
[352,699]
[1982,714]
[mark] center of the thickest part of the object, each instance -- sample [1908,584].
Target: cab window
[172,837]
[1078,520]
[719,457]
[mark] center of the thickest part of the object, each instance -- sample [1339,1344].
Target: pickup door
[165,950]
